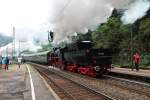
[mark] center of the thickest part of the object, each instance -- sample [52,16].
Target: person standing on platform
[4,62]
[19,61]
[136,59]
[1,63]
[7,63]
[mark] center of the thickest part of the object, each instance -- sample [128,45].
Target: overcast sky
[25,15]
[29,17]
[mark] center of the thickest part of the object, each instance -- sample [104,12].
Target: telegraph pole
[19,49]
[0,53]
[13,44]
[131,48]
[7,51]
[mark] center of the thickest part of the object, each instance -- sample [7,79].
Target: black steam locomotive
[77,57]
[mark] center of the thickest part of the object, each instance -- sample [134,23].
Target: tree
[113,34]
[144,34]
[108,35]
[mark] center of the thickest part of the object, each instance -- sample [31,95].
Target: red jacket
[136,58]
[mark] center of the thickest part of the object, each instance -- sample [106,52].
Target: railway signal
[50,36]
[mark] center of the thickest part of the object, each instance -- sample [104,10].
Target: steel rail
[130,82]
[63,90]
[82,85]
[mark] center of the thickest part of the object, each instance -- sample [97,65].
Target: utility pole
[131,48]
[7,51]
[0,53]
[13,44]
[19,49]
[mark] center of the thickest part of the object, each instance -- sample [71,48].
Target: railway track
[145,79]
[124,84]
[118,88]
[135,86]
[70,90]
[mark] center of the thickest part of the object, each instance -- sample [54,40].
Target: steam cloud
[79,15]
[136,11]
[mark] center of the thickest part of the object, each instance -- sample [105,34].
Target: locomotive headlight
[97,68]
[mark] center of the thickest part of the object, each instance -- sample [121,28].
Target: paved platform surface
[129,71]
[15,85]
[42,92]
[12,83]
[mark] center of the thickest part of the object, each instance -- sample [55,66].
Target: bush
[145,60]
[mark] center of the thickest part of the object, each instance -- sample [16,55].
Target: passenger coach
[41,57]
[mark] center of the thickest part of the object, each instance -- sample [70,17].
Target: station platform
[24,83]
[141,72]
[141,75]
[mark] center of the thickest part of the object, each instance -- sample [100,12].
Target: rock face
[4,40]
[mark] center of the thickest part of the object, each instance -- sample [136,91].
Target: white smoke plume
[136,11]
[69,16]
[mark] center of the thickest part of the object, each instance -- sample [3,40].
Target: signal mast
[50,36]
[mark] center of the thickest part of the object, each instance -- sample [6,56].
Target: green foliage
[145,59]
[117,36]
[144,34]
[108,35]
